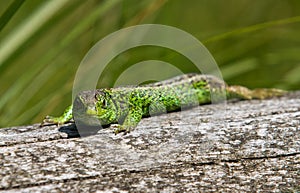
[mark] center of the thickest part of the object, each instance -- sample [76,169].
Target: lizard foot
[123,129]
[50,120]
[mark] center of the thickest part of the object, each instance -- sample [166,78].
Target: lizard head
[94,108]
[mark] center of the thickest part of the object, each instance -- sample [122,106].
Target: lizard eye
[97,96]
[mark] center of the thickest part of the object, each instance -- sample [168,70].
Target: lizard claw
[122,129]
[49,120]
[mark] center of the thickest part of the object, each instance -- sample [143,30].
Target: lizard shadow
[72,131]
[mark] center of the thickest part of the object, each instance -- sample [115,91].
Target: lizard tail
[262,93]
[247,94]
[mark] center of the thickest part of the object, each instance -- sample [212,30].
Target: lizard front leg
[65,117]
[131,121]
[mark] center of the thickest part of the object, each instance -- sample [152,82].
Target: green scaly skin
[127,105]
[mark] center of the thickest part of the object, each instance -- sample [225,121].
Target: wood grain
[239,146]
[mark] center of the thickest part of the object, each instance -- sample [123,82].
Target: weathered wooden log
[239,146]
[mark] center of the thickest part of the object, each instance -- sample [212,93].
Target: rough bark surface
[241,146]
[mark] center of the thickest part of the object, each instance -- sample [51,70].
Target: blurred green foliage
[255,43]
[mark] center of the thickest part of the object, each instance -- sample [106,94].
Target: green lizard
[127,105]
